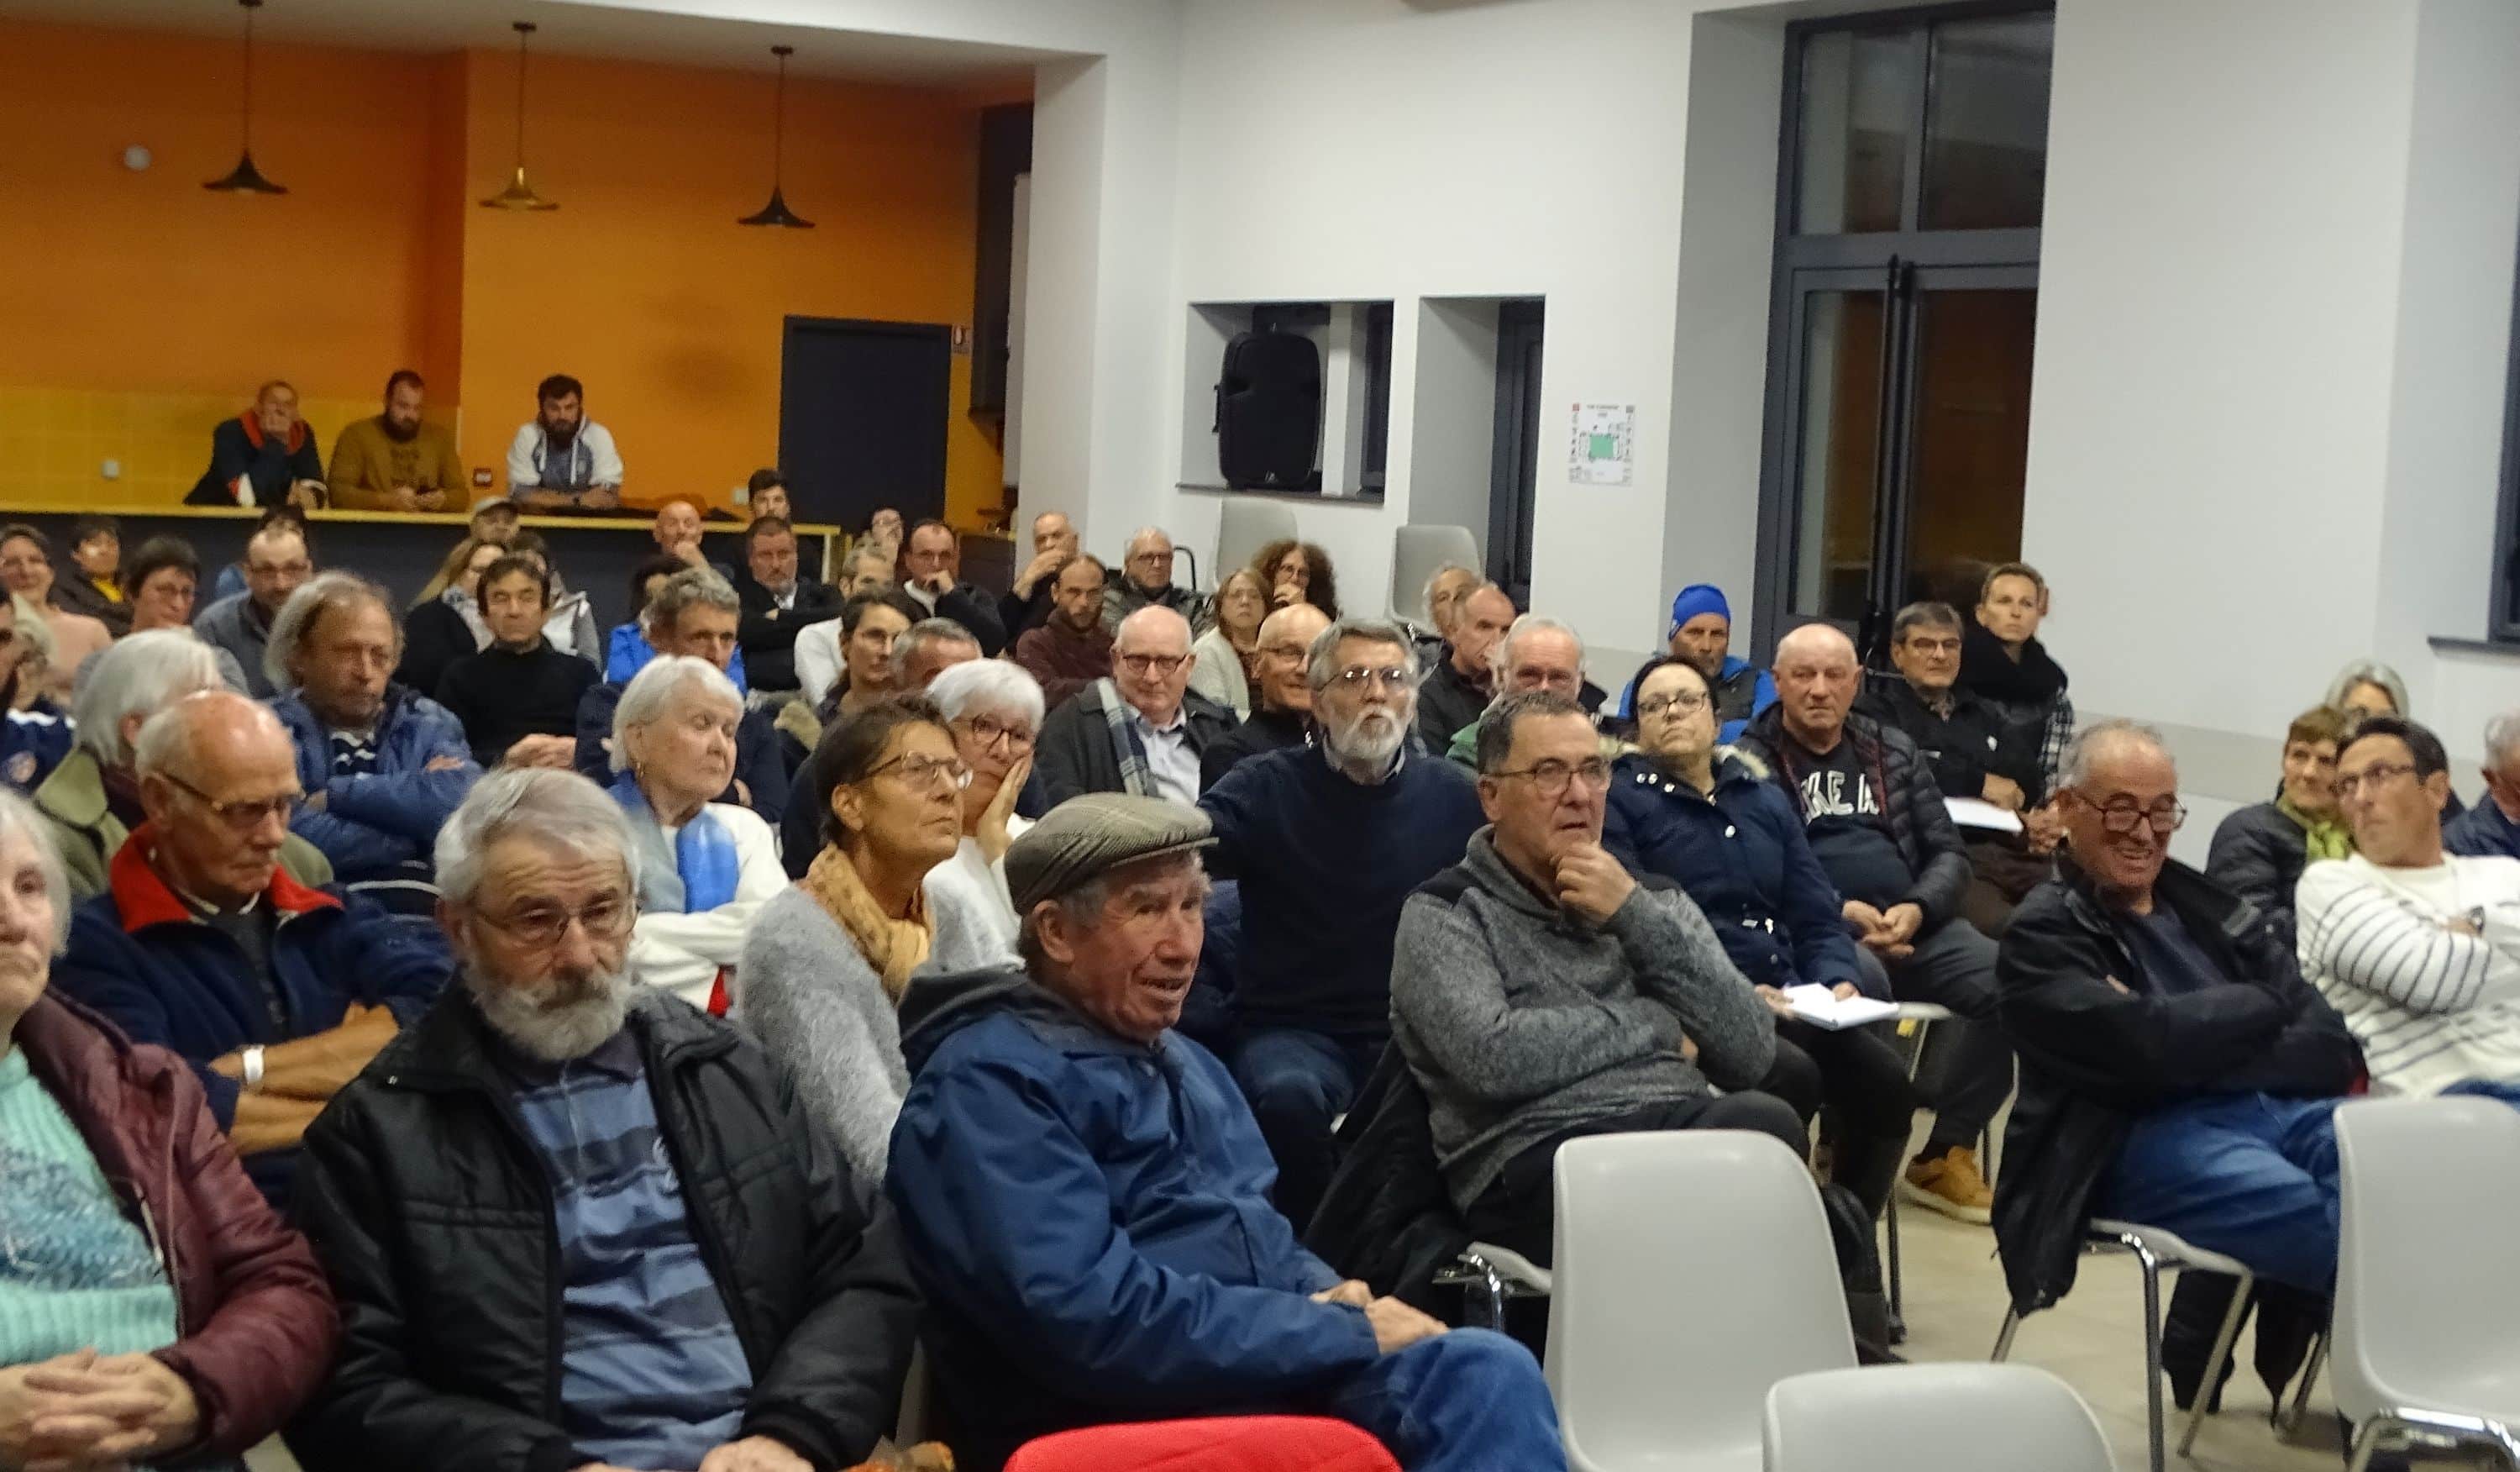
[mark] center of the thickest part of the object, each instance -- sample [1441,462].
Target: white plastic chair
[2426,1346]
[1902,1418]
[1246,525]
[2155,1249]
[1415,553]
[1693,1270]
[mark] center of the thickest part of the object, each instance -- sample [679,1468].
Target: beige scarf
[893,948]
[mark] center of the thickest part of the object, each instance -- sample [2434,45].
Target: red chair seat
[1220,1443]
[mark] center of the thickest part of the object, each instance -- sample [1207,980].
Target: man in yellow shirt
[394,462]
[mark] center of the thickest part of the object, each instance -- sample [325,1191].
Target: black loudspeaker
[1269,411]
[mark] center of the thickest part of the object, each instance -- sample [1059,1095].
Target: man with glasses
[697,1280]
[1069,649]
[931,558]
[1146,581]
[1536,652]
[2176,1071]
[1142,730]
[275,992]
[1877,824]
[1282,713]
[278,560]
[1541,995]
[1327,845]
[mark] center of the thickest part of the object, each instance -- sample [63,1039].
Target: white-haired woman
[704,868]
[153,1307]
[994,709]
[2368,687]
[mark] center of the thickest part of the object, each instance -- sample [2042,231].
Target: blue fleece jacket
[372,823]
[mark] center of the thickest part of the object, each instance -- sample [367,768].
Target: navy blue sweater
[1325,864]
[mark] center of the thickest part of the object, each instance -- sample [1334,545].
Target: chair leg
[2159,1460]
[2214,1363]
[2309,1378]
[2003,1336]
[1890,1223]
[2367,1442]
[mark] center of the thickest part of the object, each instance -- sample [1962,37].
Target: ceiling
[567,29]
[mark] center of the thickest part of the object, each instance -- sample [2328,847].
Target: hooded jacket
[1089,1219]
[372,823]
[240,450]
[255,1320]
[2095,1058]
[1740,854]
[1938,864]
[432,1210]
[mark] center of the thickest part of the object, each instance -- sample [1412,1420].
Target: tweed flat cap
[1089,836]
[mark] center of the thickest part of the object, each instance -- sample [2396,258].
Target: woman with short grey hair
[994,709]
[701,868]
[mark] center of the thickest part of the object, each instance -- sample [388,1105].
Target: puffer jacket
[254,1321]
[1920,824]
[1090,1218]
[1740,854]
[2258,853]
[432,1209]
[2094,1057]
[372,823]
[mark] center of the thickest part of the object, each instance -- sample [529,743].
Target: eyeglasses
[247,814]
[1389,676]
[1550,778]
[2375,774]
[1687,701]
[2124,816]
[1152,663]
[989,733]
[1928,644]
[1283,651]
[923,771]
[609,918]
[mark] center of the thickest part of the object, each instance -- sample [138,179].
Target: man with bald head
[1281,692]
[1463,680]
[2175,1067]
[276,993]
[1027,605]
[1145,580]
[1140,729]
[1877,824]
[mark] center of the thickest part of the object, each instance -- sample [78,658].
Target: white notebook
[1822,1008]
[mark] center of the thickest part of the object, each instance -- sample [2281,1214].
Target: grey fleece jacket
[1521,1022]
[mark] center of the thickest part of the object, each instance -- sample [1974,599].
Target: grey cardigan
[804,990]
[1521,1022]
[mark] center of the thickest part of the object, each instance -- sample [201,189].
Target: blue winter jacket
[1742,855]
[141,956]
[368,824]
[1089,1219]
[2482,832]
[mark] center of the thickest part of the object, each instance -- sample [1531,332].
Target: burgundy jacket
[1063,660]
[254,1313]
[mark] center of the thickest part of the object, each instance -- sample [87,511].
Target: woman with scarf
[2260,851]
[705,868]
[825,966]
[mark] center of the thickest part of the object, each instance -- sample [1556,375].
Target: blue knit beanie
[1695,599]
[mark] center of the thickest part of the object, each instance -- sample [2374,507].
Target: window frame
[2502,584]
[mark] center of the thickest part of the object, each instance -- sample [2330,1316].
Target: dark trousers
[1861,1080]
[1967,1069]
[1297,1083]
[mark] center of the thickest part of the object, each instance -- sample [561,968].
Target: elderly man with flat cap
[1057,1133]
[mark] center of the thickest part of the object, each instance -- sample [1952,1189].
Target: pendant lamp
[520,194]
[776,213]
[245,178]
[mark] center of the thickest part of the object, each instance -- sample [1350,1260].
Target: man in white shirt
[1138,731]
[560,460]
[2418,949]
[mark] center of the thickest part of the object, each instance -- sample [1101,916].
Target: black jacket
[431,1211]
[1265,732]
[1962,746]
[1073,754]
[1447,701]
[2258,855]
[433,637]
[2094,1057]
[975,609]
[1920,824]
[767,632]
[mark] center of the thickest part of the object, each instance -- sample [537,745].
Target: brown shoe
[1951,1185]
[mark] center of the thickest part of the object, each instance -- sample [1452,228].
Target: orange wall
[145,286]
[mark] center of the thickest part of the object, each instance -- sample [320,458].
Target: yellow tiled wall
[54,442]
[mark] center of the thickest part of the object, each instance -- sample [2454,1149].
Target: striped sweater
[2431,1005]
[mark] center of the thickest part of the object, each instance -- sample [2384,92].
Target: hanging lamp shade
[520,194]
[776,213]
[245,178]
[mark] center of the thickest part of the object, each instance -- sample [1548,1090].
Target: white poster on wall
[1603,451]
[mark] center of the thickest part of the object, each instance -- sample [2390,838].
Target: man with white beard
[1329,841]
[636,1248]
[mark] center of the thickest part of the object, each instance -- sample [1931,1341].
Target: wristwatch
[251,1057]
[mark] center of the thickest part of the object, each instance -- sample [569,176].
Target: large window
[1914,167]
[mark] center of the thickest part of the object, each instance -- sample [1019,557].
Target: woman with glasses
[994,709]
[705,868]
[1226,655]
[1709,819]
[827,961]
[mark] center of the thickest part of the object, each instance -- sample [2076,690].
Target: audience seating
[1724,1229]
[1224,1444]
[1246,525]
[1923,1016]
[2155,1249]
[1490,1277]
[1902,1417]
[2426,1346]
[1415,553]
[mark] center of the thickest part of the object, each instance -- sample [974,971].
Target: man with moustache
[639,1249]
[1327,844]
[396,462]
[1284,717]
